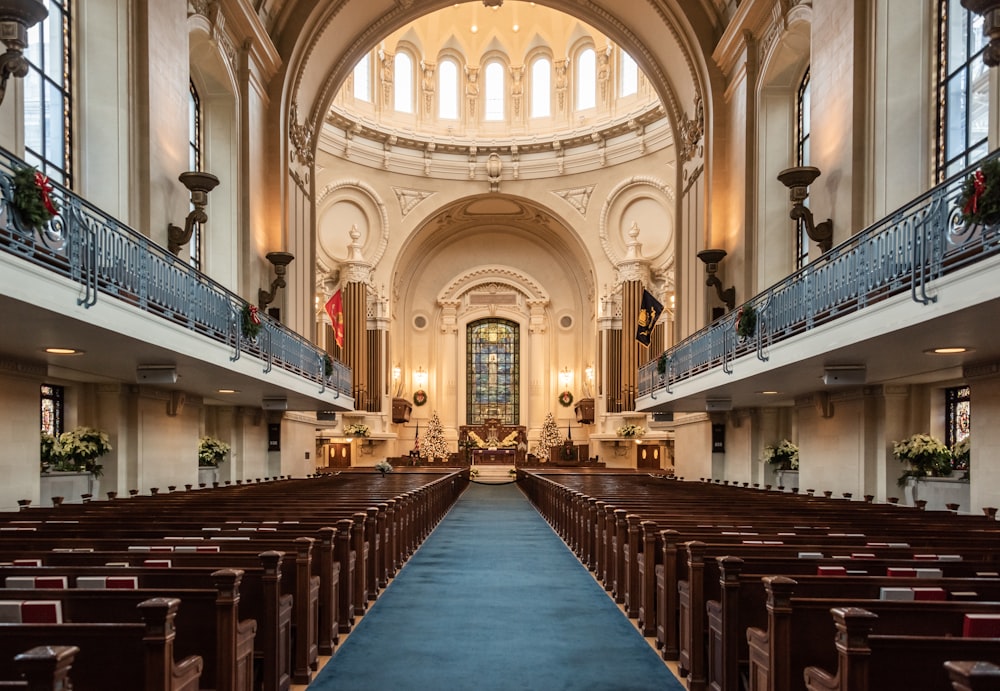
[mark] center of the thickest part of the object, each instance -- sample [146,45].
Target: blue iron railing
[903,253]
[110,260]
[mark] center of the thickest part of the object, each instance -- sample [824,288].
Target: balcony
[873,308]
[87,280]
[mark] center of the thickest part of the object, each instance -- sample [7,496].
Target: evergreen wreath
[250,321]
[565,399]
[33,198]
[419,397]
[980,198]
[746,321]
[568,452]
[327,366]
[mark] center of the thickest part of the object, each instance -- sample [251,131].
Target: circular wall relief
[566,321]
[419,322]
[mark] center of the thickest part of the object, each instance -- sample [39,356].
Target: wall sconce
[797,179]
[420,378]
[16,17]
[199,184]
[712,259]
[989,10]
[588,380]
[280,260]
[397,380]
[565,379]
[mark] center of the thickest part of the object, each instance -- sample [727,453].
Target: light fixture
[420,378]
[63,351]
[797,179]
[948,350]
[16,17]
[280,260]
[768,393]
[199,184]
[565,378]
[712,259]
[397,380]
[228,391]
[989,10]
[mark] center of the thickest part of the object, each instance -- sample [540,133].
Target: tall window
[541,88]
[494,91]
[403,80]
[47,105]
[802,129]
[958,414]
[195,162]
[362,79]
[586,79]
[52,409]
[962,90]
[493,379]
[630,75]
[448,90]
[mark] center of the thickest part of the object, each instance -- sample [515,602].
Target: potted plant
[82,447]
[51,452]
[925,456]
[630,431]
[356,430]
[383,467]
[783,456]
[211,452]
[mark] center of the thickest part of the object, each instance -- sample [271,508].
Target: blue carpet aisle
[494,600]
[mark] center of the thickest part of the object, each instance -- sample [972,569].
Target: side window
[494,91]
[403,79]
[541,88]
[448,90]
[586,79]
[48,122]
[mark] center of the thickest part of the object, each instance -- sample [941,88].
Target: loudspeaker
[274,404]
[156,374]
[844,376]
[663,417]
[718,405]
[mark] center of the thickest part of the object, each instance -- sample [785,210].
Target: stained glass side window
[958,417]
[493,371]
[52,409]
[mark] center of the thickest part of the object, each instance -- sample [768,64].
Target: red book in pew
[981,626]
[900,572]
[41,612]
[831,571]
[929,593]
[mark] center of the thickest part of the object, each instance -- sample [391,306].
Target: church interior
[746,243]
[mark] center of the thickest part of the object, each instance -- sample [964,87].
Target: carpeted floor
[494,600]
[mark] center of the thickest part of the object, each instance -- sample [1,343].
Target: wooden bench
[43,668]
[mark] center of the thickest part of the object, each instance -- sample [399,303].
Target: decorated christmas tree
[550,438]
[434,444]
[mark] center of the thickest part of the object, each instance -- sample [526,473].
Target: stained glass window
[493,379]
[958,414]
[52,409]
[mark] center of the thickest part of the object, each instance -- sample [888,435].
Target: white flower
[630,431]
[784,453]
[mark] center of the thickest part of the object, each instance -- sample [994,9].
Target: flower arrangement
[980,197]
[960,453]
[383,467]
[784,454]
[356,430]
[33,198]
[250,321]
[51,451]
[746,321]
[630,431]
[81,447]
[211,452]
[926,456]
[565,399]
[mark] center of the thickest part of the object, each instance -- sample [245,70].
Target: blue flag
[649,312]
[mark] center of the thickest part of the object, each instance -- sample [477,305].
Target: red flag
[335,308]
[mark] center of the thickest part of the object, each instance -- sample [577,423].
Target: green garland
[980,199]
[327,366]
[746,321]
[32,198]
[250,322]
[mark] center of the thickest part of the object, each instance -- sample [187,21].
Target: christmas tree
[550,438]
[434,444]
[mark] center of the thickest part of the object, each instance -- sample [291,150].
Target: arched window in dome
[448,90]
[541,88]
[586,79]
[630,75]
[362,79]
[403,80]
[494,91]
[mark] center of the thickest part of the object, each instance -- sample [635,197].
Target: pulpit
[401,409]
[584,409]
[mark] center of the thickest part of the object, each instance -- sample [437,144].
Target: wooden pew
[114,655]
[968,675]
[871,662]
[43,668]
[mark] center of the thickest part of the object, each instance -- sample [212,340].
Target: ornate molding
[376,200]
[692,130]
[617,191]
[577,197]
[481,276]
[409,198]
[300,140]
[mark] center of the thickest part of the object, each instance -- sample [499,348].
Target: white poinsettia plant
[211,452]
[784,454]
[630,431]
[383,467]
[357,430]
[926,455]
[82,447]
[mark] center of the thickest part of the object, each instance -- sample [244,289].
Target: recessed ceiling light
[474,28]
[948,350]
[769,393]
[228,391]
[63,351]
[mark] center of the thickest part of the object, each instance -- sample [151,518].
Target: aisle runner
[494,600]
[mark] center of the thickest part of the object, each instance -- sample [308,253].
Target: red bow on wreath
[978,187]
[45,187]
[254,317]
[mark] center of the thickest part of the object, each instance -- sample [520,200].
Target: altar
[494,442]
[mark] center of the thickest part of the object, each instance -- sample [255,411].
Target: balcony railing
[903,253]
[111,261]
